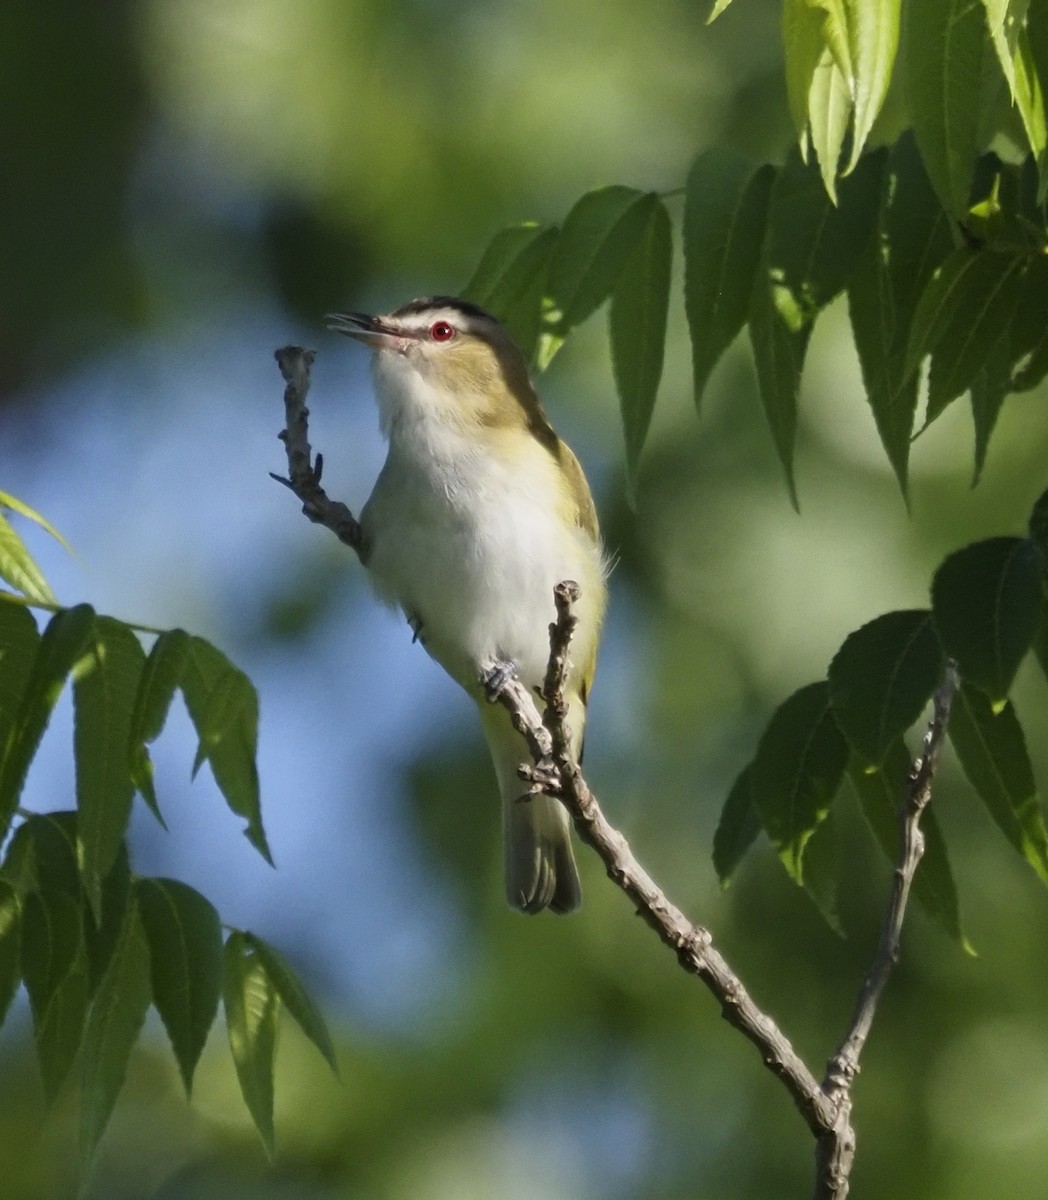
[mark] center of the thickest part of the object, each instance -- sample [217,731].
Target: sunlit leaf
[23,510]
[223,706]
[185,947]
[803,44]
[737,829]
[637,322]
[160,679]
[987,604]
[873,30]
[250,1000]
[880,792]
[725,209]
[294,997]
[104,689]
[822,872]
[18,568]
[115,1021]
[829,116]
[882,678]
[992,749]
[945,42]
[60,647]
[796,772]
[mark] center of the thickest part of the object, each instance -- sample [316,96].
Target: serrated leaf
[1004,18]
[250,1000]
[105,686]
[510,281]
[18,568]
[873,30]
[185,945]
[796,772]
[59,648]
[989,389]
[725,211]
[597,237]
[987,604]
[803,44]
[10,947]
[50,842]
[880,792]
[115,1021]
[223,706]
[637,323]
[160,679]
[992,749]
[54,967]
[295,998]
[737,829]
[829,115]
[822,871]
[988,298]
[19,643]
[945,42]
[1028,331]
[1029,98]
[882,678]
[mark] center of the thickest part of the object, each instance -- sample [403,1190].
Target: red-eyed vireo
[479,511]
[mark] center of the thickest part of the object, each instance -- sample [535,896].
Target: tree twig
[835,1148]
[826,1106]
[303,476]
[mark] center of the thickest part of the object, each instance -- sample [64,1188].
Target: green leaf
[718,7]
[880,792]
[18,568]
[117,1013]
[49,844]
[250,998]
[510,281]
[1028,332]
[989,389]
[829,115]
[725,210]
[160,679]
[60,647]
[223,706]
[986,300]
[797,771]
[23,510]
[873,29]
[987,604]
[992,750]
[104,689]
[101,937]
[294,997]
[597,237]
[882,678]
[822,871]
[19,643]
[803,43]
[1038,524]
[54,967]
[1029,98]
[737,829]
[945,42]
[637,322]
[10,947]
[185,948]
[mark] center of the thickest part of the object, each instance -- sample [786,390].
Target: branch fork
[826,1104]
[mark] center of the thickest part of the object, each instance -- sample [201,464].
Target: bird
[479,510]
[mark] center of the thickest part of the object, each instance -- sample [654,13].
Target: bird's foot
[495,677]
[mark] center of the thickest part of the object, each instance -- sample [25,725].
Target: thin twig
[692,944]
[835,1149]
[303,476]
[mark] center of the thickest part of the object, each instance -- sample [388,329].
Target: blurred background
[189,184]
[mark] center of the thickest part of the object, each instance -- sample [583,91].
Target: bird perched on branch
[479,511]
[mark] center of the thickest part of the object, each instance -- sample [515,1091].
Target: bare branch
[692,944]
[835,1150]
[303,476]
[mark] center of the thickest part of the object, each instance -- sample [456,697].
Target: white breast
[472,548]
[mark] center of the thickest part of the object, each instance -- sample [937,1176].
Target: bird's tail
[540,865]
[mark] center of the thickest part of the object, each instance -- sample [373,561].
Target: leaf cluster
[988,611]
[94,944]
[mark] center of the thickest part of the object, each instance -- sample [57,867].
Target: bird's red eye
[441,331]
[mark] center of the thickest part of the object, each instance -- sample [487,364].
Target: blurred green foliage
[172,159]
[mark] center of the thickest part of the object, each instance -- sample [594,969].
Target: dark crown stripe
[428,303]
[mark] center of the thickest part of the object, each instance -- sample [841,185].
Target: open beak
[363,328]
